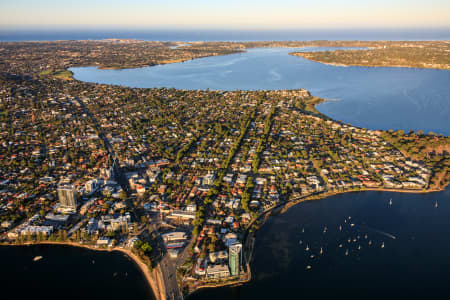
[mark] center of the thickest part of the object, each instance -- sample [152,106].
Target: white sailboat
[346,252]
[436,204]
[370,242]
[390,201]
[321,251]
[382,245]
[307,248]
[340,228]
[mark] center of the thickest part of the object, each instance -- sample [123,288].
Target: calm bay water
[69,273]
[375,98]
[413,264]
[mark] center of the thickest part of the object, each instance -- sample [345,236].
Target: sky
[229,14]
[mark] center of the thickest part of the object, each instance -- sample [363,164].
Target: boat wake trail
[382,232]
[386,234]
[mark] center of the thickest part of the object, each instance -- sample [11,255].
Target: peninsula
[429,55]
[179,180]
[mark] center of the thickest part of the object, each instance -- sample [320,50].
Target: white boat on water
[307,248]
[321,250]
[370,242]
[36,258]
[340,245]
[308,267]
[382,245]
[359,247]
[390,202]
[303,230]
[340,228]
[346,252]
[300,242]
[436,204]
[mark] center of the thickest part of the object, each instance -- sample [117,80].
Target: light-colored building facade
[67,196]
[235,258]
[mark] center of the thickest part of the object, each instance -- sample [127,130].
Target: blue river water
[66,272]
[413,264]
[375,98]
[414,230]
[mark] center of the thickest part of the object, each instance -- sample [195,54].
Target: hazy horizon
[229,15]
[192,35]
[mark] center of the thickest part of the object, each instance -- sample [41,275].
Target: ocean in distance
[189,35]
[374,98]
[414,264]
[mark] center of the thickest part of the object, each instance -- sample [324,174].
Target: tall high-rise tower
[67,196]
[235,258]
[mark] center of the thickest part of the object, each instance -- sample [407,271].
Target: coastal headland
[431,55]
[179,180]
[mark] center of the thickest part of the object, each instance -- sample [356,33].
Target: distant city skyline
[232,14]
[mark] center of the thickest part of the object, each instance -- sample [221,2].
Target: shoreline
[284,207]
[153,277]
[335,64]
